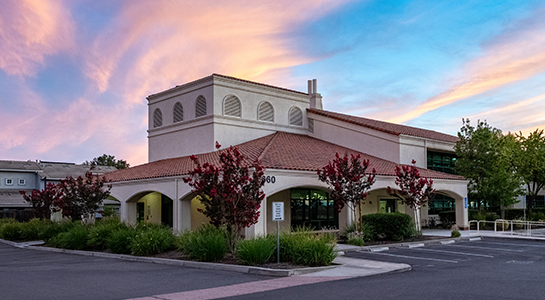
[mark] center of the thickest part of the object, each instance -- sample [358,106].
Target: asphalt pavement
[487,267]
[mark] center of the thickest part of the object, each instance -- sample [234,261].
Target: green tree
[108,160]
[486,159]
[530,163]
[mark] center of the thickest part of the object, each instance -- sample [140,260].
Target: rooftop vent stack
[315,98]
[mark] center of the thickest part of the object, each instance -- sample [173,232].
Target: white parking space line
[487,248]
[454,252]
[509,244]
[413,257]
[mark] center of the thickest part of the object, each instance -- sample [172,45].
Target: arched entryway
[153,207]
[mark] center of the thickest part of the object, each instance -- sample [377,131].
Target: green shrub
[120,240]
[75,238]
[11,231]
[255,251]
[32,229]
[311,251]
[390,226]
[537,216]
[7,221]
[355,238]
[101,232]
[455,234]
[366,234]
[207,243]
[513,214]
[52,229]
[152,240]
[304,247]
[480,216]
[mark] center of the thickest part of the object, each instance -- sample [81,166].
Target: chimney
[315,97]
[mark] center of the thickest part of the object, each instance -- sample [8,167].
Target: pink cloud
[35,128]
[154,45]
[29,31]
[517,54]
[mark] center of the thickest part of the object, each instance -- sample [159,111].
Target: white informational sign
[278,211]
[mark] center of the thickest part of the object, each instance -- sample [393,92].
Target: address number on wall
[269,179]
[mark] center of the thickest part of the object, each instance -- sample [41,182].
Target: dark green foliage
[390,226]
[107,160]
[101,232]
[486,158]
[537,216]
[255,251]
[52,229]
[11,231]
[75,238]
[311,250]
[356,237]
[207,243]
[32,230]
[455,234]
[120,240]
[152,240]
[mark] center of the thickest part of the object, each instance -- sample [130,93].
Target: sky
[74,75]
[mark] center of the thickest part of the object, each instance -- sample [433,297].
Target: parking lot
[459,253]
[491,268]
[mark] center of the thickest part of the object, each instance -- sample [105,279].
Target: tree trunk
[417,223]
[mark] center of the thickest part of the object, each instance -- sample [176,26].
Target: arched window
[200,107]
[296,116]
[178,114]
[265,112]
[232,106]
[157,118]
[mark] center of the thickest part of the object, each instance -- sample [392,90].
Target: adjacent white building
[293,136]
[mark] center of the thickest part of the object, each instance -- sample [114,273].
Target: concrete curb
[384,247]
[177,262]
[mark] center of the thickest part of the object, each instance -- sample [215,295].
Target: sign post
[278,215]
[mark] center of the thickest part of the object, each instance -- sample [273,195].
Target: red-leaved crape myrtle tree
[81,196]
[231,193]
[44,202]
[415,191]
[347,179]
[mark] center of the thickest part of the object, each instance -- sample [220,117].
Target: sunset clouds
[516,54]
[74,75]
[29,31]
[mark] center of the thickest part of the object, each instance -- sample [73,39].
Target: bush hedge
[207,243]
[390,226]
[152,240]
[256,251]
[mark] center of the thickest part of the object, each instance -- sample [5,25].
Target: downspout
[175,211]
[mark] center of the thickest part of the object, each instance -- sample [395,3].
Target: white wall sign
[278,211]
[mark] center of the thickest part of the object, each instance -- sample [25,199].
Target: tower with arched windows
[188,119]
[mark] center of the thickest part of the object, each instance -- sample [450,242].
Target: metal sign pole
[277,242]
[278,215]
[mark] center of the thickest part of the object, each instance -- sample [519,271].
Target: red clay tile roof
[390,128]
[281,150]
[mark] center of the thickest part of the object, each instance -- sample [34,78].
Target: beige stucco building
[292,136]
